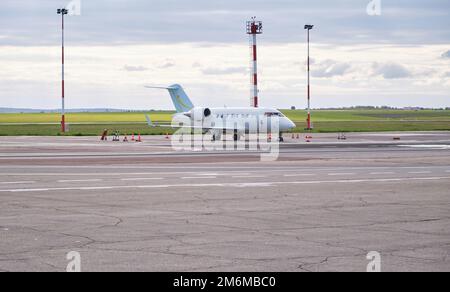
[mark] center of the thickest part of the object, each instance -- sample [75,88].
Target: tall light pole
[254,28]
[63,12]
[308,27]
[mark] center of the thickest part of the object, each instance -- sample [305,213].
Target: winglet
[149,121]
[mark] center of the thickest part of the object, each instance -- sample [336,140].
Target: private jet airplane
[217,121]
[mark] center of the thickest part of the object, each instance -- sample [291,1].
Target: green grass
[371,115]
[80,130]
[378,126]
[85,117]
[331,121]
[325,121]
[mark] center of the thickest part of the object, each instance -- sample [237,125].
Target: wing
[172,126]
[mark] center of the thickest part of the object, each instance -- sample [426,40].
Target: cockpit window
[272,114]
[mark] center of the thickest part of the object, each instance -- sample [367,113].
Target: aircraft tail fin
[180,99]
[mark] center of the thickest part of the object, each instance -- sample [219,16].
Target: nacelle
[199,114]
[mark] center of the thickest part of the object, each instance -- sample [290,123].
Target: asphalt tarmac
[321,206]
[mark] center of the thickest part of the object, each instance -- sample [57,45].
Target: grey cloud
[224,71]
[446,55]
[32,22]
[135,68]
[167,65]
[329,68]
[391,71]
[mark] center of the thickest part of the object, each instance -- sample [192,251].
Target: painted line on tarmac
[300,175]
[28,190]
[232,185]
[419,172]
[431,147]
[143,178]
[93,188]
[198,177]
[235,165]
[222,172]
[249,176]
[79,180]
[209,174]
[382,173]
[339,174]
[121,174]
[17,182]
[230,173]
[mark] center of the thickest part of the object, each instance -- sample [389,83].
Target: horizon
[4,110]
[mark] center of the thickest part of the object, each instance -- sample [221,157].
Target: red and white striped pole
[255,73]
[309,123]
[254,28]
[63,110]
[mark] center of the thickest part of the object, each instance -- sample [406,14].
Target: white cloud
[391,71]
[225,71]
[330,68]
[168,63]
[135,68]
[30,75]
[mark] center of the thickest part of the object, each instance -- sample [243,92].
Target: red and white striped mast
[308,27]
[254,28]
[63,12]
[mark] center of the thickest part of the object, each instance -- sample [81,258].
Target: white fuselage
[241,120]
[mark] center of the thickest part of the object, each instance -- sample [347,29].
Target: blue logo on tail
[180,99]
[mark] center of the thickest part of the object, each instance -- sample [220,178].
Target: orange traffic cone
[132,138]
[139,138]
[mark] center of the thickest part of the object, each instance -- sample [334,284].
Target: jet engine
[199,114]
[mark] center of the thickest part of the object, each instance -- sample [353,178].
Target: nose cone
[292,125]
[287,125]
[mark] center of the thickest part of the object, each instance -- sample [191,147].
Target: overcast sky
[400,58]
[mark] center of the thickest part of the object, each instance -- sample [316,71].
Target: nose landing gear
[236,136]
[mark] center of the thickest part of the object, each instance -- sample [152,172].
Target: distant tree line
[384,108]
